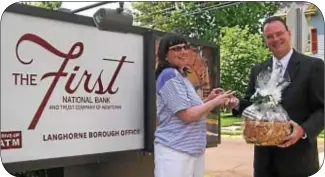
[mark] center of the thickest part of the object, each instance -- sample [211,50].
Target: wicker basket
[265,133]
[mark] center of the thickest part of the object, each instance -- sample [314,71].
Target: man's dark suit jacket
[303,99]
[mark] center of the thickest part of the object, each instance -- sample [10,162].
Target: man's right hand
[231,103]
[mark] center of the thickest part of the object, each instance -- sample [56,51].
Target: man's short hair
[273,19]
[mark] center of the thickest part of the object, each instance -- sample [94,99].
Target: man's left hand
[297,133]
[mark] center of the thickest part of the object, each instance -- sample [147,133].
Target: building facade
[315,21]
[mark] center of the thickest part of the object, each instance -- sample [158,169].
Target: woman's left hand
[214,93]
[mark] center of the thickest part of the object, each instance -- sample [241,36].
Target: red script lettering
[72,54]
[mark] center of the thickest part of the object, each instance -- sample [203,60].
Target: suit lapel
[293,66]
[292,71]
[268,64]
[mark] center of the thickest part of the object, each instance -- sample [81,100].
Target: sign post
[297,24]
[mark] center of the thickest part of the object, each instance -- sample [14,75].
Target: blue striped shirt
[175,93]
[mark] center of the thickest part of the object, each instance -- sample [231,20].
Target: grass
[232,133]
[228,120]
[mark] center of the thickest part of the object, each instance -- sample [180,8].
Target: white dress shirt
[284,61]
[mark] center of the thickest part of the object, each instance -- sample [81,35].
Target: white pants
[172,163]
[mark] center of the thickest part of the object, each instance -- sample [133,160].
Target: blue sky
[75,5]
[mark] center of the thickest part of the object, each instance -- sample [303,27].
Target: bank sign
[68,89]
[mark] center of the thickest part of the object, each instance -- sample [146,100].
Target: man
[303,99]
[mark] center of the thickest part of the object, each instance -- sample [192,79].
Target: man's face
[277,38]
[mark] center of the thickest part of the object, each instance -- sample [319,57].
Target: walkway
[234,158]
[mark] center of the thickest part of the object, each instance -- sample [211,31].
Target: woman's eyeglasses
[179,48]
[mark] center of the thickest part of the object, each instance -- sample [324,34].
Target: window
[313,40]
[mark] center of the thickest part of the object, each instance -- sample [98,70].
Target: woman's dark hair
[163,48]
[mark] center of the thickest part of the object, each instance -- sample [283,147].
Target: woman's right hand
[223,97]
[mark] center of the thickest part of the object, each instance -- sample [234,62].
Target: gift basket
[266,123]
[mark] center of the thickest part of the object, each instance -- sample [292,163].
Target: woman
[180,138]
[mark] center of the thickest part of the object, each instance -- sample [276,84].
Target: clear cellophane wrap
[266,123]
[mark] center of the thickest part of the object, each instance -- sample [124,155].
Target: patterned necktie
[278,68]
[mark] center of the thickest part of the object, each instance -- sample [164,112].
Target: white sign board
[68,89]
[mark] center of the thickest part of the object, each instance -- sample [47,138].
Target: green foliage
[240,50]
[215,21]
[53,5]
[202,20]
